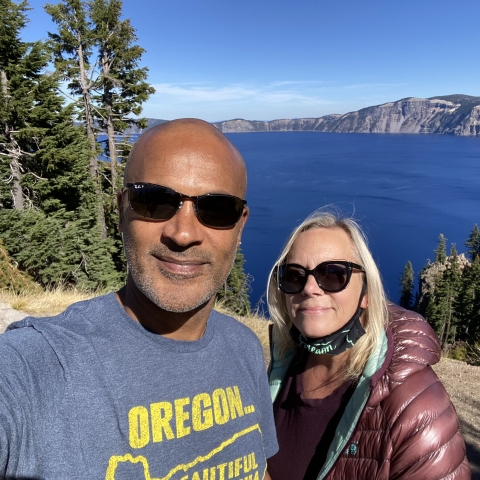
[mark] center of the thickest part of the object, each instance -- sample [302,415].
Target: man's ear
[242,222]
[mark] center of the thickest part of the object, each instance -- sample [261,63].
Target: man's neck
[186,326]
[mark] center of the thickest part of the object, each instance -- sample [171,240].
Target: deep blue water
[404,189]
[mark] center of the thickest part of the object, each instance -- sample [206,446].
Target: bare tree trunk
[107,98]
[112,147]
[447,333]
[93,163]
[15,166]
[448,322]
[440,337]
[17,192]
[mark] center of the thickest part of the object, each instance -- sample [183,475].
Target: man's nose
[184,228]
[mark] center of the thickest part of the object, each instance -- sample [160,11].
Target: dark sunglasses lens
[220,211]
[292,278]
[331,277]
[155,202]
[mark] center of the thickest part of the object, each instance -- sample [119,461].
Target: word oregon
[240,467]
[169,420]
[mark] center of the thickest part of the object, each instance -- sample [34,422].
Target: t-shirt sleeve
[12,424]
[13,375]
[269,434]
[8,426]
[27,379]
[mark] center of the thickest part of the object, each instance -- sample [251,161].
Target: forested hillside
[449,295]
[58,213]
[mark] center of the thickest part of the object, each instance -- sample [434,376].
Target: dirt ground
[462,382]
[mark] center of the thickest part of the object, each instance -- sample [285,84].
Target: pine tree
[11,278]
[442,309]
[450,297]
[234,293]
[21,69]
[63,248]
[72,48]
[469,303]
[96,50]
[437,307]
[121,83]
[37,129]
[453,275]
[474,317]
[54,237]
[441,251]
[59,241]
[423,292]
[473,243]
[406,282]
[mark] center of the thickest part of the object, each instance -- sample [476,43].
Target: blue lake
[403,189]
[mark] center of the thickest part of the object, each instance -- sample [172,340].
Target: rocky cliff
[430,275]
[451,114]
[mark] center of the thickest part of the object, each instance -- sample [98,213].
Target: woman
[354,394]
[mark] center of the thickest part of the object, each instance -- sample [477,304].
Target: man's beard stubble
[174,300]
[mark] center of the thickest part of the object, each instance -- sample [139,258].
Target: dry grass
[51,302]
[44,303]
[256,323]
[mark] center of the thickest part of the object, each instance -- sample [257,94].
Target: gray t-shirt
[91,394]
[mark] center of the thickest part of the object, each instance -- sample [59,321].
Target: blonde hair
[376,314]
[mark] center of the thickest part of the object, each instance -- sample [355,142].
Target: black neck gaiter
[337,342]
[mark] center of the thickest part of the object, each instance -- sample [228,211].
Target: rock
[451,114]
[9,315]
[430,274]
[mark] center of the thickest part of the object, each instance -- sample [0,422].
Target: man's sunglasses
[216,210]
[332,276]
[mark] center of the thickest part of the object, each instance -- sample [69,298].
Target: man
[149,382]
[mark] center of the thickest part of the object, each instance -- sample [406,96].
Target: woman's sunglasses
[332,276]
[216,210]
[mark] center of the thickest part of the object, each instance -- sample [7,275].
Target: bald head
[180,262]
[195,142]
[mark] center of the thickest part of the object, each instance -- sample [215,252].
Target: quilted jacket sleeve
[426,436]
[425,432]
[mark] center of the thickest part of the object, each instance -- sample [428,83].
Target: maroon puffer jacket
[408,428]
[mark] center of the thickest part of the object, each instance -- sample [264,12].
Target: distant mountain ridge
[449,114]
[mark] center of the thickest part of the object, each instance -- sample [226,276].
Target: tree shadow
[473,448]
[473,455]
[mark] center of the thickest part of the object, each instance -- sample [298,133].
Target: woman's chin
[314,331]
[314,327]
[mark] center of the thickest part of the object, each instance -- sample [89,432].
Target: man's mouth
[180,267]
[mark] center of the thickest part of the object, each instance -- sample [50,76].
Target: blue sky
[268,59]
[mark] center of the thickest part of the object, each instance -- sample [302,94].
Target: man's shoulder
[231,326]
[236,337]
[77,312]
[26,355]
[36,336]
[40,343]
